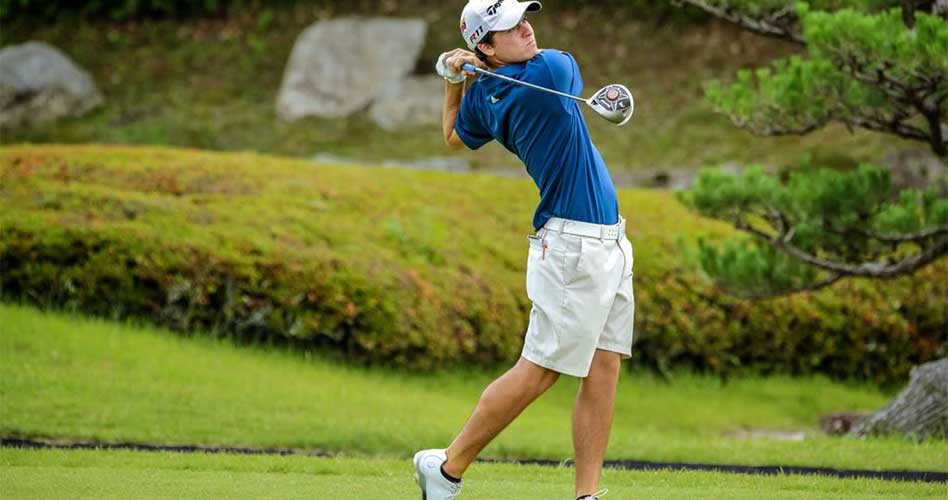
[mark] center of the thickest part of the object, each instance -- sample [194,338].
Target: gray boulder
[339,66]
[413,101]
[920,410]
[38,83]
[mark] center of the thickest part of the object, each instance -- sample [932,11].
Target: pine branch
[866,269]
[891,126]
[908,237]
[876,122]
[772,294]
[917,97]
[891,239]
[780,24]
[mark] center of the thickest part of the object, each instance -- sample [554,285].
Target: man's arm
[453,93]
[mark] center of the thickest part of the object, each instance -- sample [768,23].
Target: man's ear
[486,48]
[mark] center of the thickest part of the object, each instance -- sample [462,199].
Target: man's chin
[527,55]
[531,53]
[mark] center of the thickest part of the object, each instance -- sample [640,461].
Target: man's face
[514,45]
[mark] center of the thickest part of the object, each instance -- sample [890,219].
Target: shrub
[405,268]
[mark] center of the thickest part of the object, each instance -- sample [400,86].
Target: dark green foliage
[411,269]
[863,70]
[113,9]
[859,330]
[845,218]
[757,8]
[781,18]
[868,66]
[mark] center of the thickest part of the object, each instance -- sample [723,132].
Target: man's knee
[605,364]
[535,376]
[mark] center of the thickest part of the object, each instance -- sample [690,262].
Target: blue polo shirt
[547,132]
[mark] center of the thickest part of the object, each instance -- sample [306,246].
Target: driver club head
[613,102]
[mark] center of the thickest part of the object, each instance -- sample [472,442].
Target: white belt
[588,229]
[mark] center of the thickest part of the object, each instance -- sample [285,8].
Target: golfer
[579,270]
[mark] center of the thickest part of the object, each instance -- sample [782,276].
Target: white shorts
[581,288]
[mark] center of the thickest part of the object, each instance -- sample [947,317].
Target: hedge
[403,268]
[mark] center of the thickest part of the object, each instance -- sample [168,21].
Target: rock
[920,410]
[38,83]
[841,422]
[413,101]
[339,66]
[940,8]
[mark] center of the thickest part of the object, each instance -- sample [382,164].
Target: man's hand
[449,65]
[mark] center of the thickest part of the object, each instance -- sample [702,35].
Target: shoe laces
[595,496]
[454,489]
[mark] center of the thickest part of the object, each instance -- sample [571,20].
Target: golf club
[613,102]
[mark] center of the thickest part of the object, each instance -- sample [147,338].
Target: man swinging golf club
[579,270]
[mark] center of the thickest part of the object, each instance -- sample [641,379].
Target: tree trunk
[908,13]
[921,409]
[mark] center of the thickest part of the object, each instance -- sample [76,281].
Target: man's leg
[592,419]
[499,405]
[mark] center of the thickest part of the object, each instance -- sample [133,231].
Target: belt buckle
[615,231]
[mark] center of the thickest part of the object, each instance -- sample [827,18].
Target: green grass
[212,84]
[102,475]
[64,376]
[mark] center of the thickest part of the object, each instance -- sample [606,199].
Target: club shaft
[475,69]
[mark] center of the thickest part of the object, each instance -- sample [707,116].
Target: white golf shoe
[434,486]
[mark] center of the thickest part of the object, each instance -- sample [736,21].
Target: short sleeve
[564,71]
[469,124]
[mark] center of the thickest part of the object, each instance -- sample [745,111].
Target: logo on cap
[491,10]
[476,34]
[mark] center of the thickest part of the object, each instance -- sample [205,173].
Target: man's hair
[488,39]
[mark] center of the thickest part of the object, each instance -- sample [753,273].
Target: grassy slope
[65,376]
[212,84]
[147,476]
[296,203]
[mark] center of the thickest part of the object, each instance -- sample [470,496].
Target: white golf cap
[483,16]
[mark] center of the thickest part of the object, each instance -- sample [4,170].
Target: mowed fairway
[67,376]
[102,475]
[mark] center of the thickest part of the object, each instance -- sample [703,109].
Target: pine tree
[880,65]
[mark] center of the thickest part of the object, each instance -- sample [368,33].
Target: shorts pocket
[545,273]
